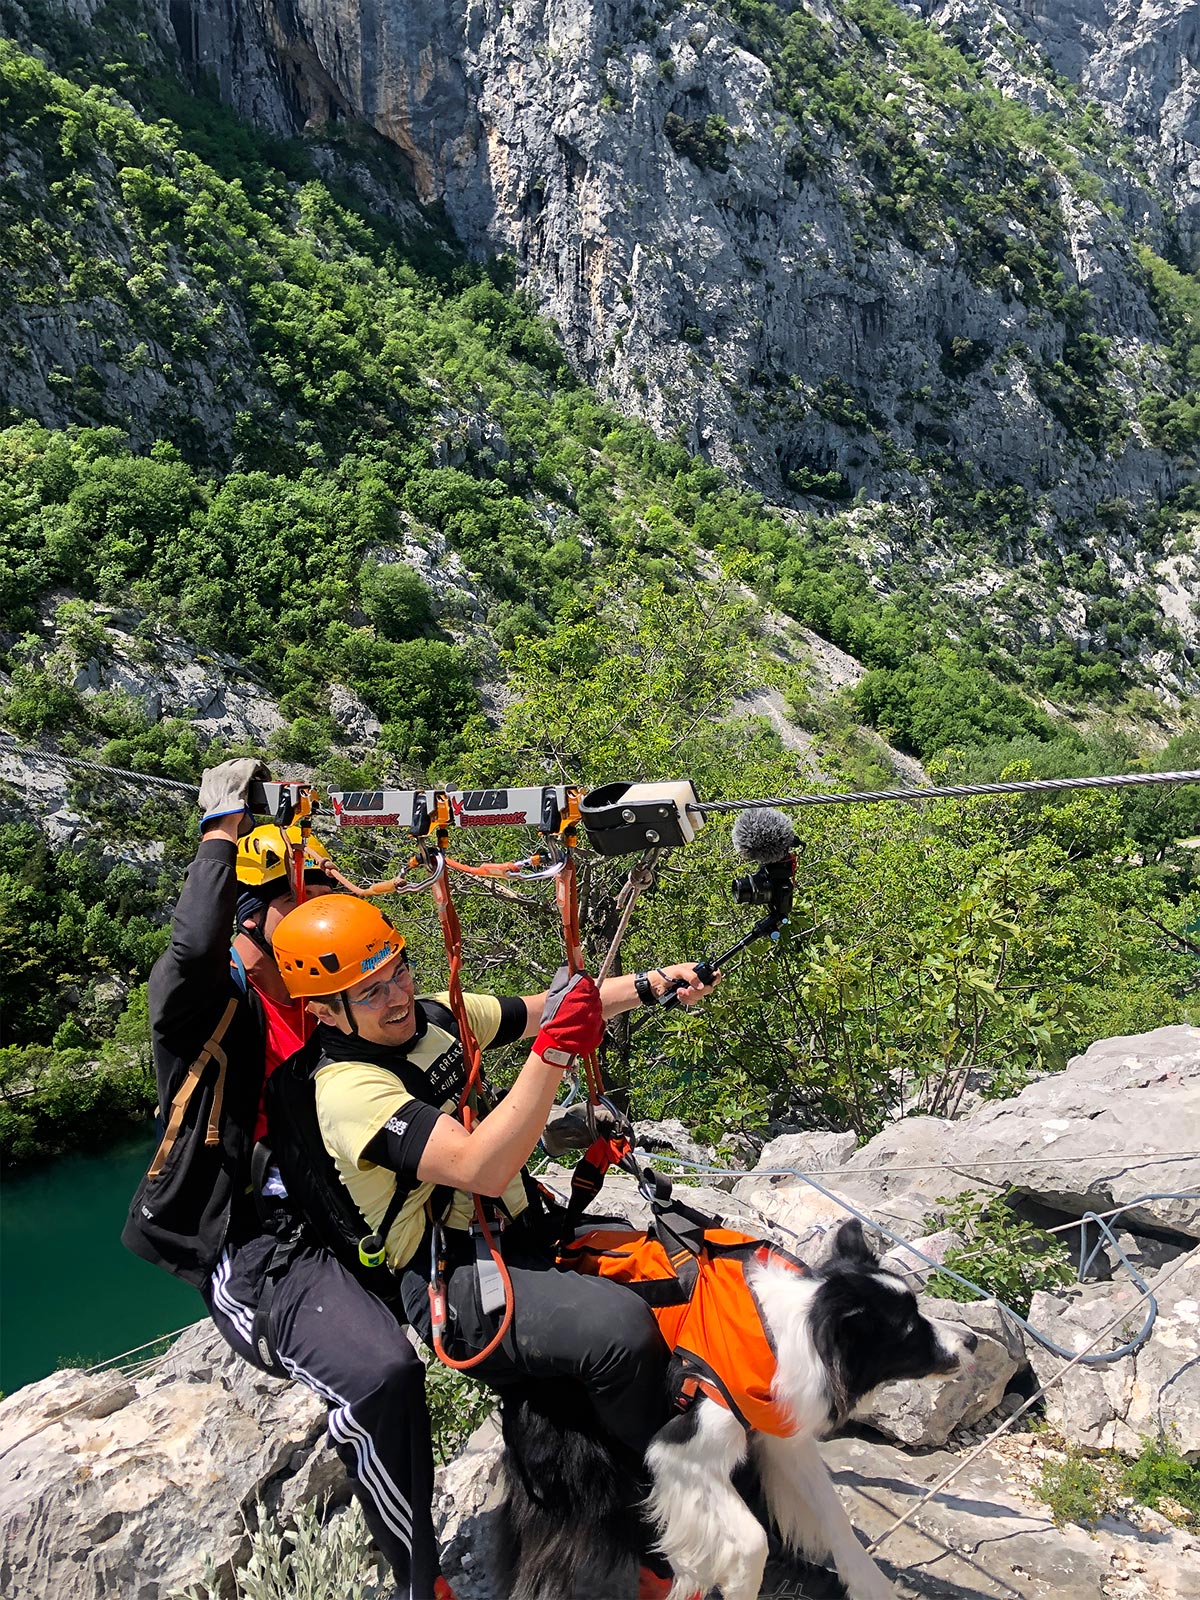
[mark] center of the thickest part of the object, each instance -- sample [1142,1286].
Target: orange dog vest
[693,1278]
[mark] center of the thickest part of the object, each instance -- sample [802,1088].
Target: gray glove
[223,789]
[567,1128]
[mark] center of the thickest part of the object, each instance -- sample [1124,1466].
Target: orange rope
[473,1061]
[367,891]
[490,869]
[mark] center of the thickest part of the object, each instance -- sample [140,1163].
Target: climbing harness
[1105,1234]
[692,1273]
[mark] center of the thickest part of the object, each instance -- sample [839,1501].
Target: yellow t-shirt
[356,1098]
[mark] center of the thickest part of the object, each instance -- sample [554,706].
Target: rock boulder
[1122,1121]
[120,1487]
[1155,1391]
[919,1414]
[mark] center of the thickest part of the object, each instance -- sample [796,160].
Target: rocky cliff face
[786,241]
[1139,59]
[736,266]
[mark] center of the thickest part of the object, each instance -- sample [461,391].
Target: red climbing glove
[572,1020]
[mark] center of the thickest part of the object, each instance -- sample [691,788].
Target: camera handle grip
[705,972]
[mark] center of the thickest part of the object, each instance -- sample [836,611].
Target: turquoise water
[70,1293]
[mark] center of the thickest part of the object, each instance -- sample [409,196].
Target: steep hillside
[839,252]
[842,254]
[283,466]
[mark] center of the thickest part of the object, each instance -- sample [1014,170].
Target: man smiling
[389,1075]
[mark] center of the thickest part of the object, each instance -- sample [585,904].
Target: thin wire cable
[141,1369]
[1145,1160]
[125,1354]
[9,747]
[1107,1358]
[951,791]
[958,791]
[1074,1361]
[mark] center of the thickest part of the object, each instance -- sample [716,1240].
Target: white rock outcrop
[1156,1392]
[119,1487]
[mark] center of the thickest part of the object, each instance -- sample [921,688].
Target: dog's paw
[867,1582]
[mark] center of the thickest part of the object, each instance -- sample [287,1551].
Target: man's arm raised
[618,995]
[486,1160]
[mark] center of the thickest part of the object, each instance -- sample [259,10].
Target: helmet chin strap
[348,1014]
[257,938]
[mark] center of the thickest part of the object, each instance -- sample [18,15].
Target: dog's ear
[850,1244]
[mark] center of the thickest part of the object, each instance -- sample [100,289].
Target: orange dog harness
[693,1276]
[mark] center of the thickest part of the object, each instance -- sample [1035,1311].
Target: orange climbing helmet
[326,946]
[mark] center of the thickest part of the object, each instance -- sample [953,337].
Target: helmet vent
[330,962]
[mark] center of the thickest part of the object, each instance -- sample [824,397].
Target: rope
[141,1369]
[467,1109]
[149,1344]
[566,895]
[9,747]
[952,791]
[641,878]
[1074,1361]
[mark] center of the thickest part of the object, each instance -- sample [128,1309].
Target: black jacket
[197,1192]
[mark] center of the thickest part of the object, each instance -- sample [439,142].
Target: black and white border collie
[569,1526]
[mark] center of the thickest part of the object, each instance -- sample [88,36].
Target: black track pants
[344,1343]
[564,1326]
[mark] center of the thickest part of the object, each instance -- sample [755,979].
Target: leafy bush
[703,140]
[1082,1489]
[1161,1474]
[396,599]
[457,1405]
[316,1557]
[1004,1255]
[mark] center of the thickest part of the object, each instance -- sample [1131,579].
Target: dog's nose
[970,1341]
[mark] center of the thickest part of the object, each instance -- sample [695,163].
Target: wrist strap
[645,989]
[554,1057]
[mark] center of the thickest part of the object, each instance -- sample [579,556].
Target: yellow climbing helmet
[262,855]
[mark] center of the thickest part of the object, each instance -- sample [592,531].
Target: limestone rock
[717,297]
[41,794]
[1141,62]
[915,1268]
[1157,1390]
[1121,1121]
[467,1491]
[116,1486]
[985,1539]
[353,716]
[806,1152]
[926,1412]
[671,1138]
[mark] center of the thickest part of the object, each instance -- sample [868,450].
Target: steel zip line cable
[9,747]
[954,791]
[951,791]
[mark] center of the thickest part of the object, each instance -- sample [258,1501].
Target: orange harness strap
[706,1312]
[468,1109]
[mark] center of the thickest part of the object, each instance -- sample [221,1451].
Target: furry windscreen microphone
[764,834]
